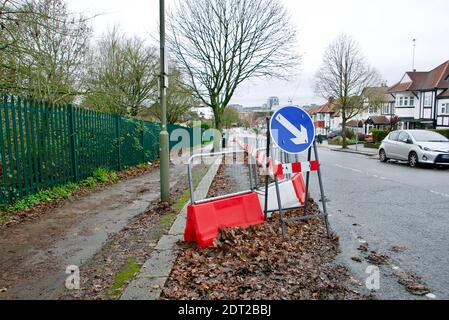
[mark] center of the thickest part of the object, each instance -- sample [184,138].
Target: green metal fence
[43,144]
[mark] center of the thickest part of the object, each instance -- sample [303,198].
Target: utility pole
[164,139]
[414,54]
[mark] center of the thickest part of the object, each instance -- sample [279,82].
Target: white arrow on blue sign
[292,130]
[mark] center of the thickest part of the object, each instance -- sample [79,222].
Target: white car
[416,147]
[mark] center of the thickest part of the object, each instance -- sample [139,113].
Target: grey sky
[384,29]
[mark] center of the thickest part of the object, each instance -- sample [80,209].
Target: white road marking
[347,168]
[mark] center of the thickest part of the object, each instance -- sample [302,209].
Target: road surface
[390,205]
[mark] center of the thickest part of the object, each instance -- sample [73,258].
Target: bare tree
[44,50]
[344,75]
[180,99]
[122,76]
[376,97]
[221,43]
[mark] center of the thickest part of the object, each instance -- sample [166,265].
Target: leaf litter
[258,263]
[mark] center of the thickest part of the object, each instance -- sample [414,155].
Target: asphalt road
[390,205]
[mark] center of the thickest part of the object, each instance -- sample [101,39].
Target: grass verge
[122,278]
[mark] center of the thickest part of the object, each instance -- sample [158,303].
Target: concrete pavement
[390,205]
[359,149]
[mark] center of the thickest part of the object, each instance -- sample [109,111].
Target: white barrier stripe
[299,167]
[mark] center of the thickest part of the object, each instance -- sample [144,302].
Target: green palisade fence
[44,145]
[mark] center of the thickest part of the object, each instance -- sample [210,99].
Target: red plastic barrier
[205,220]
[300,188]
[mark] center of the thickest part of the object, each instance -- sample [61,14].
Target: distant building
[326,117]
[273,103]
[237,107]
[205,113]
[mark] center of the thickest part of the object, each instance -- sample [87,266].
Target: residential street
[390,205]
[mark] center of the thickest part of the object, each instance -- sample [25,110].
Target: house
[422,98]
[326,118]
[378,110]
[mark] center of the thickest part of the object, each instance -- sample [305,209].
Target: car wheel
[383,156]
[413,159]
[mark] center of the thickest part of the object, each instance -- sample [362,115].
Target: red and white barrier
[261,159]
[298,167]
[292,191]
[292,194]
[205,220]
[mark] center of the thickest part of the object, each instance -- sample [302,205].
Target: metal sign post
[293,131]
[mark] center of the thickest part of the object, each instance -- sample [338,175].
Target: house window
[406,102]
[412,101]
[428,100]
[444,108]
[401,101]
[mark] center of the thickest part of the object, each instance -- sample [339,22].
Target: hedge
[379,135]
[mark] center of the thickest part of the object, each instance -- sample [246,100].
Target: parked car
[334,134]
[416,147]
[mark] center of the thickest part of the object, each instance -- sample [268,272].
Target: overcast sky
[383,28]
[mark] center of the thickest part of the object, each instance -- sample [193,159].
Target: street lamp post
[164,139]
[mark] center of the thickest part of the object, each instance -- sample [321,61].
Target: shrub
[101,175]
[337,141]
[379,135]
[444,132]
[349,134]
[90,182]
[372,145]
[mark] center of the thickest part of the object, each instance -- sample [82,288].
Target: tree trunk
[218,119]
[343,134]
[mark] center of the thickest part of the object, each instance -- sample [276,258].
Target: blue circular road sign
[292,130]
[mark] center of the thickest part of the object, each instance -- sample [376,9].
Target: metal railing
[45,144]
[230,165]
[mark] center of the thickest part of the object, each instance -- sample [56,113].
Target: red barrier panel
[300,188]
[205,220]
